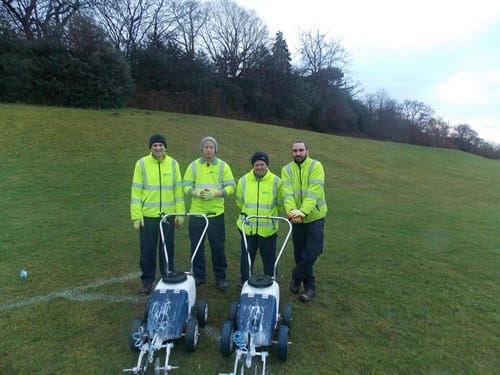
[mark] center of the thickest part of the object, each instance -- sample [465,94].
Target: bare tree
[381,106]
[233,37]
[417,113]
[465,137]
[129,23]
[438,129]
[35,19]
[189,16]
[385,115]
[317,52]
[325,60]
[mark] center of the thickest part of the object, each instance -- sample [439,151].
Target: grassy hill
[407,284]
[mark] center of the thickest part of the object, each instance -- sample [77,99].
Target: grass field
[408,282]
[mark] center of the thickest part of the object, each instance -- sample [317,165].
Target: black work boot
[221,284]
[145,288]
[307,296]
[294,286]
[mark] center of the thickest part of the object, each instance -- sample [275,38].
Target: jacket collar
[202,161]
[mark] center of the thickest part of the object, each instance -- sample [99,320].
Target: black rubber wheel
[202,312]
[286,316]
[226,339]
[137,331]
[233,312]
[283,343]
[191,337]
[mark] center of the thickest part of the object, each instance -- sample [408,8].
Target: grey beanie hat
[157,138]
[211,139]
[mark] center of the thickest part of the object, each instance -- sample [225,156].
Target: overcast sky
[443,53]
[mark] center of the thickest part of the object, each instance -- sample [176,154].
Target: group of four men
[158,188]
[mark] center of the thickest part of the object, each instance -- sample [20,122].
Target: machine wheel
[233,312]
[191,338]
[286,316]
[157,370]
[137,329]
[226,338]
[283,343]
[202,312]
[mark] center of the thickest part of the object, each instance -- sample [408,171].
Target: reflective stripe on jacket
[216,175]
[156,188]
[259,196]
[303,188]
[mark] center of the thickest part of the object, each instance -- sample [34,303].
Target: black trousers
[307,246]
[216,234]
[267,247]
[151,247]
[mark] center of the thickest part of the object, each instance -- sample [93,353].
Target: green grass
[407,283]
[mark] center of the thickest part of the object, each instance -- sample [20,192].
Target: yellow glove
[179,220]
[208,194]
[138,224]
[196,192]
[296,216]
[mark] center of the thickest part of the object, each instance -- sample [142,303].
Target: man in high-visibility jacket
[304,199]
[258,193]
[156,190]
[208,180]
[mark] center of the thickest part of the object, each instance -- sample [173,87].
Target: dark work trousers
[151,246]
[267,247]
[307,246]
[216,234]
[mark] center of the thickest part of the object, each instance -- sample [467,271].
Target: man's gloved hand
[295,212]
[196,193]
[179,220]
[138,224]
[296,216]
[208,194]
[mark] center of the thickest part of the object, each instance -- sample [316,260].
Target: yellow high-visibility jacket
[216,175]
[303,188]
[259,196]
[156,188]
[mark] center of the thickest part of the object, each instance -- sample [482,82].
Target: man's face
[157,149]
[259,168]
[208,150]
[299,152]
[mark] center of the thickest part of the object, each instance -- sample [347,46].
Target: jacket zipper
[300,184]
[159,179]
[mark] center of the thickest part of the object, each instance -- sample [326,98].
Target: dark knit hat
[157,138]
[211,139]
[259,155]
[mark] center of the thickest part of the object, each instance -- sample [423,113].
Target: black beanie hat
[157,138]
[259,155]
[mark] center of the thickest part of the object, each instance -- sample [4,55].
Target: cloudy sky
[443,53]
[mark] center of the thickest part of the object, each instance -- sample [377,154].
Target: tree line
[201,57]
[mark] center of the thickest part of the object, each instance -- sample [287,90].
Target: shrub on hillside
[45,72]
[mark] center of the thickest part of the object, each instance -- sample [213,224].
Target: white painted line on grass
[76,294]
